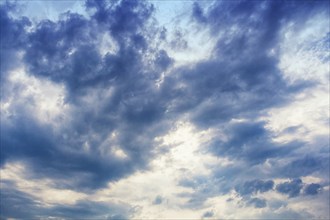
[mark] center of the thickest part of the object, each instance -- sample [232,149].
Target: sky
[165,109]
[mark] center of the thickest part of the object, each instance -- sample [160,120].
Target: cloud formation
[106,97]
[255,186]
[291,188]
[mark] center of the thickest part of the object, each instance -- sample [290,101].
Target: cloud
[286,214]
[250,141]
[118,91]
[208,214]
[257,203]
[107,138]
[312,189]
[292,188]
[158,200]
[198,13]
[38,146]
[163,61]
[255,186]
[232,83]
[17,204]
[232,88]
[13,38]
[307,165]
[95,210]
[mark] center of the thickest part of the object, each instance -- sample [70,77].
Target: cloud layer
[104,103]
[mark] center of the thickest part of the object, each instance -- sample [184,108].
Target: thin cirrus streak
[165,109]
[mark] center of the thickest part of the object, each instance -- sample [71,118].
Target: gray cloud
[250,141]
[292,188]
[17,204]
[158,200]
[257,203]
[312,189]
[255,186]
[239,80]
[66,52]
[208,214]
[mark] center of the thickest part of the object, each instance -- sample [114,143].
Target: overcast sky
[165,109]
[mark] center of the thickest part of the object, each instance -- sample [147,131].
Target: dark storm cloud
[123,18]
[233,82]
[312,189]
[268,16]
[66,51]
[52,156]
[163,61]
[255,186]
[237,177]
[306,165]
[17,204]
[198,13]
[292,188]
[241,79]
[252,142]
[50,45]
[13,38]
